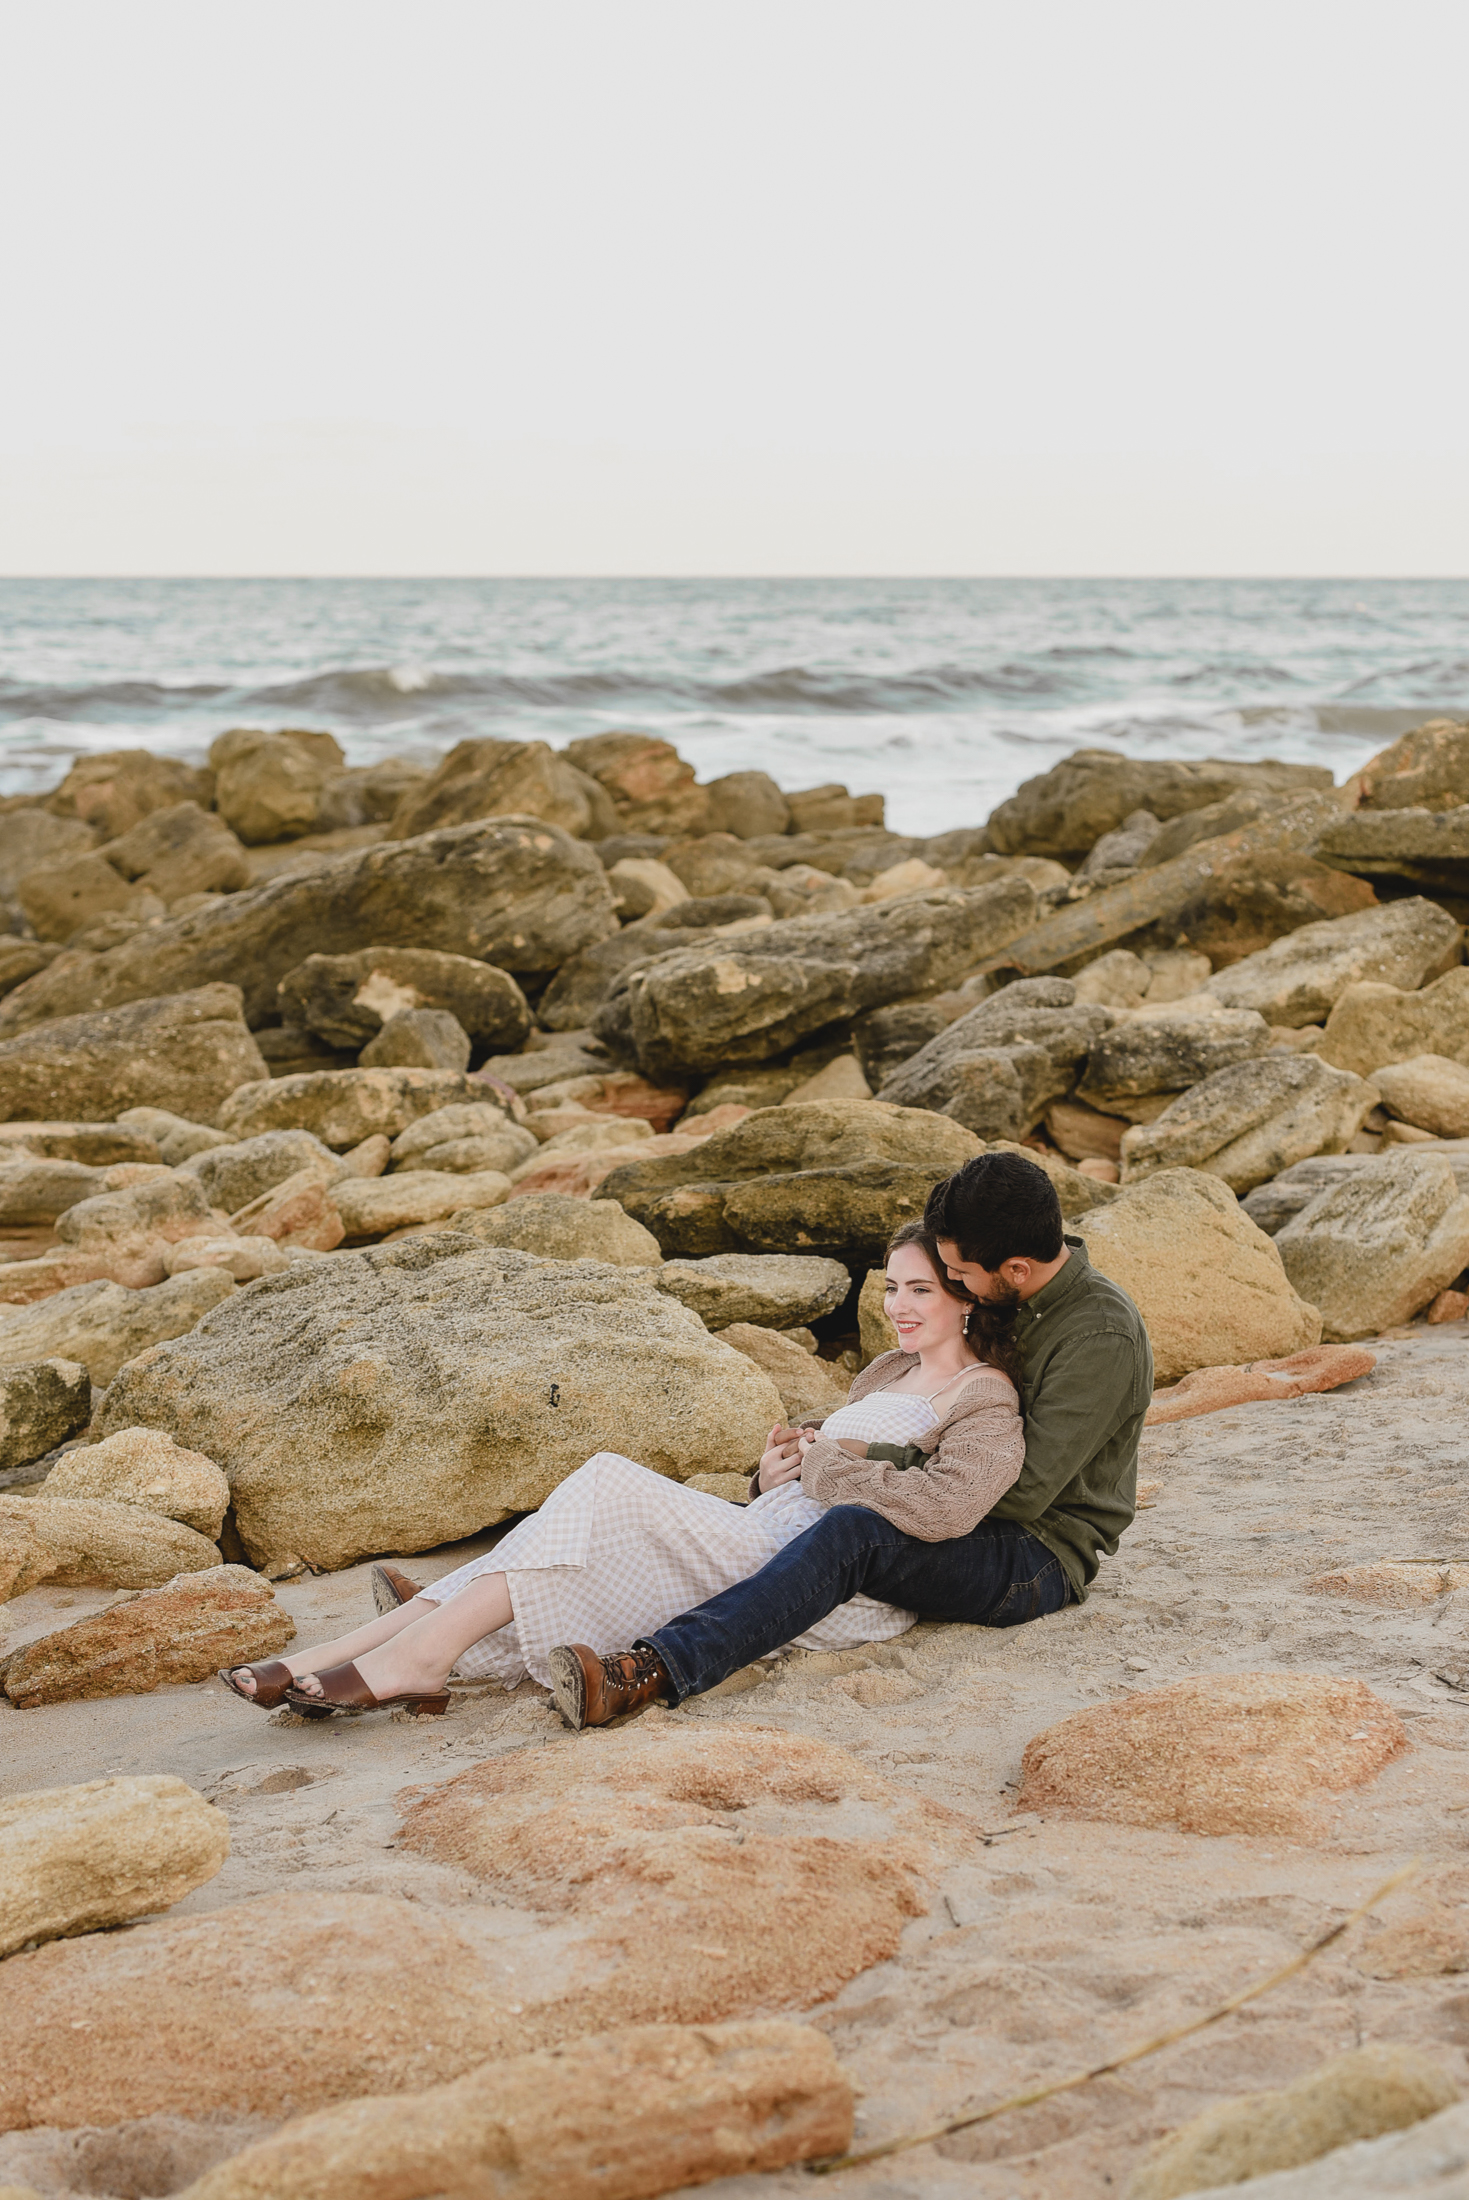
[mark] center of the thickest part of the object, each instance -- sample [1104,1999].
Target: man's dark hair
[998,1207]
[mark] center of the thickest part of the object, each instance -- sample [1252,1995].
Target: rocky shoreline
[377,1145]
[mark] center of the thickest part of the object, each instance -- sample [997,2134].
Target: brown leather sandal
[272,1677]
[344,1689]
[392,1588]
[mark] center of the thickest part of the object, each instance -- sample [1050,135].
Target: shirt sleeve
[1091,1386]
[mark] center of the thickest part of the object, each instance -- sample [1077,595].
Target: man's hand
[781,1460]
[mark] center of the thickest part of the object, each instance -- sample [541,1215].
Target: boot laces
[645,1667]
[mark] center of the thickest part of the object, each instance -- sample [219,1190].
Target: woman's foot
[390,1671]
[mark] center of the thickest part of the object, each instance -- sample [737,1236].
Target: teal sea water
[941,694]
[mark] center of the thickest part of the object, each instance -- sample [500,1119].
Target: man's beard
[1000,1295]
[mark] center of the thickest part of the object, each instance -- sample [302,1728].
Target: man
[1087,1380]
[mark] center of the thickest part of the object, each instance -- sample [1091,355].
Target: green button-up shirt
[1087,1382]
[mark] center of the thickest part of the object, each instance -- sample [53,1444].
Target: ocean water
[942,694]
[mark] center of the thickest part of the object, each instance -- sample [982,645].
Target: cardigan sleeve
[954,1478]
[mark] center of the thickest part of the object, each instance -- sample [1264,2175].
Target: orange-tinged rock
[1393,1582]
[1209,1389]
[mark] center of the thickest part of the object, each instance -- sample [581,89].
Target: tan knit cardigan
[969,1458]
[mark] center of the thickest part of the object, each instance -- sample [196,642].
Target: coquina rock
[419,1038]
[96,1145]
[400,1398]
[103,1324]
[745,999]
[111,791]
[1376,1247]
[1210,1286]
[346,999]
[1427,769]
[163,1638]
[1000,1065]
[747,804]
[1065,811]
[233,1174]
[62,898]
[1168,1053]
[1299,979]
[509,891]
[269,786]
[506,778]
[342,1107]
[179,851]
[1428,1091]
[371,1207]
[1429,848]
[76,1859]
[809,1387]
[830,1177]
[1271,1205]
[648,782]
[773,1290]
[1247,1123]
[186,1051]
[142,1466]
[41,1406]
[81,1542]
[472,1135]
[122,1237]
[1372,1024]
[556,1227]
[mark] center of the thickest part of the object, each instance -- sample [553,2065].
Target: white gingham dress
[617,1551]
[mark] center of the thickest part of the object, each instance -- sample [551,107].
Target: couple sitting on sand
[975,1474]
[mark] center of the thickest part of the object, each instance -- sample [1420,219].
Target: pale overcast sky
[782,286]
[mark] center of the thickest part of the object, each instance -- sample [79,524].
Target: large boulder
[831,1177]
[502,779]
[1372,1024]
[809,1387]
[773,1290]
[35,1191]
[1428,1091]
[1065,811]
[1271,1206]
[103,1324]
[1373,1249]
[111,791]
[405,1397]
[269,786]
[93,1542]
[78,1859]
[346,999]
[1167,1052]
[1298,980]
[1249,1122]
[580,989]
[163,1638]
[142,1466]
[341,1107]
[183,850]
[1428,848]
[747,998]
[96,1145]
[1210,1286]
[184,1051]
[61,898]
[41,1406]
[510,891]
[747,804]
[371,1206]
[241,1170]
[476,1135]
[1427,769]
[419,1038]
[998,1067]
[31,837]
[650,786]
[556,1227]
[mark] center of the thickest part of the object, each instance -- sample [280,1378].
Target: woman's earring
[968,1317]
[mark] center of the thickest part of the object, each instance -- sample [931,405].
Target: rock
[912,876]
[140,1466]
[744,999]
[177,1139]
[1350,2098]
[233,1174]
[342,1107]
[514,893]
[841,1079]
[555,1227]
[1402,1587]
[1168,1052]
[502,779]
[1210,1389]
[1247,1123]
[22,959]
[163,1638]
[1117,980]
[657,2106]
[1372,1024]
[1000,1065]
[644,887]
[751,1088]
[190,1050]
[1244,807]
[1298,979]
[77,1859]
[1427,848]
[800,890]
[1176,974]
[370,1208]
[575,1165]
[269,786]
[1271,1205]
[179,851]
[885,1038]
[1208,1284]
[104,1324]
[62,898]
[1083,1133]
[299,1212]
[121,1237]
[472,1135]
[419,1038]
[397,1399]
[242,1258]
[835,1178]
[1064,812]
[875,1330]
[29,838]
[831,809]
[34,1191]
[1250,1753]
[346,999]
[1429,1091]
[98,1145]
[747,804]
[98,1542]
[808,1387]
[581,988]
[1427,769]
[1078,1193]
[41,1406]
[112,791]
[651,787]
[773,1290]
[1378,1246]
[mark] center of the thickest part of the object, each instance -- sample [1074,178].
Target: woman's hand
[781,1459]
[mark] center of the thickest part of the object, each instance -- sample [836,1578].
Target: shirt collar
[1051,1294]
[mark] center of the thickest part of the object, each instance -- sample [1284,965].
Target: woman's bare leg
[413,1650]
[345,1646]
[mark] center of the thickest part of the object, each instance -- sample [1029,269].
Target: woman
[617,1550]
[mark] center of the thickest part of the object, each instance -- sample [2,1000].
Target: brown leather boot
[589,1690]
[391,1587]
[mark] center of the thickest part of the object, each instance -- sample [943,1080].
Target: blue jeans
[996,1576]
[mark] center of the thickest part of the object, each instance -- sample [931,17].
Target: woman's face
[918,1306]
